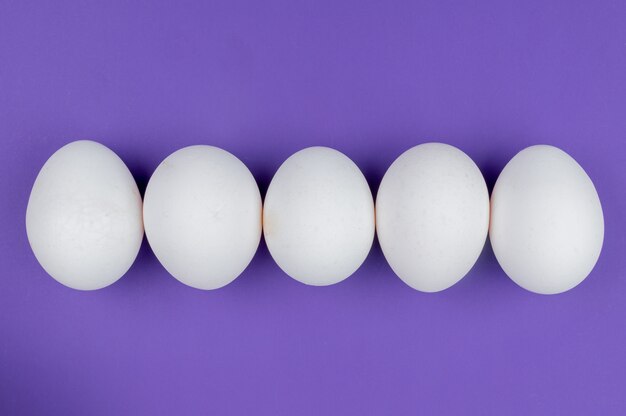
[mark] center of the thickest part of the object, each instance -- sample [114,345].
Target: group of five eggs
[203,216]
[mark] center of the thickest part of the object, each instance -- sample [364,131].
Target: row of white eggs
[203,217]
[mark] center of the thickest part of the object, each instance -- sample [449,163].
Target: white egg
[84,216]
[432,216]
[202,213]
[547,226]
[318,216]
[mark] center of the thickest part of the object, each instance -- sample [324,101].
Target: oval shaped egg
[547,225]
[84,216]
[202,213]
[318,216]
[432,216]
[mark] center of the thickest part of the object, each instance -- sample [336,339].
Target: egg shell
[84,216]
[202,213]
[547,225]
[432,216]
[319,216]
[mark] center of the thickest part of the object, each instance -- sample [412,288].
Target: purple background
[263,80]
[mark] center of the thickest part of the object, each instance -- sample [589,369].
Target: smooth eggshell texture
[84,216]
[547,225]
[202,213]
[319,216]
[432,216]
